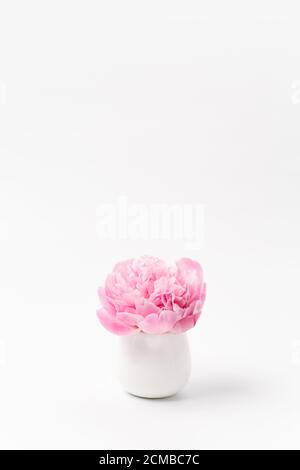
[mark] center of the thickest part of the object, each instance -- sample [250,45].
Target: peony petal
[193,308]
[158,324]
[131,319]
[147,308]
[167,320]
[203,293]
[197,307]
[113,325]
[191,275]
[187,265]
[105,301]
[190,272]
[185,324]
[150,324]
[179,311]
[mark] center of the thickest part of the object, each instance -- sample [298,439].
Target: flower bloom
[144,294]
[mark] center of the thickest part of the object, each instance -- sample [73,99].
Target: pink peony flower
[147,295]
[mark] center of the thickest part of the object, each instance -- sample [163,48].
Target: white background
[175,102]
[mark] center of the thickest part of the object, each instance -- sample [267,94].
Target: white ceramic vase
[153,366]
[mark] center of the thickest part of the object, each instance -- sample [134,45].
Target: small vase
[153,366]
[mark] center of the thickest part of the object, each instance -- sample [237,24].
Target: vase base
[153,397]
